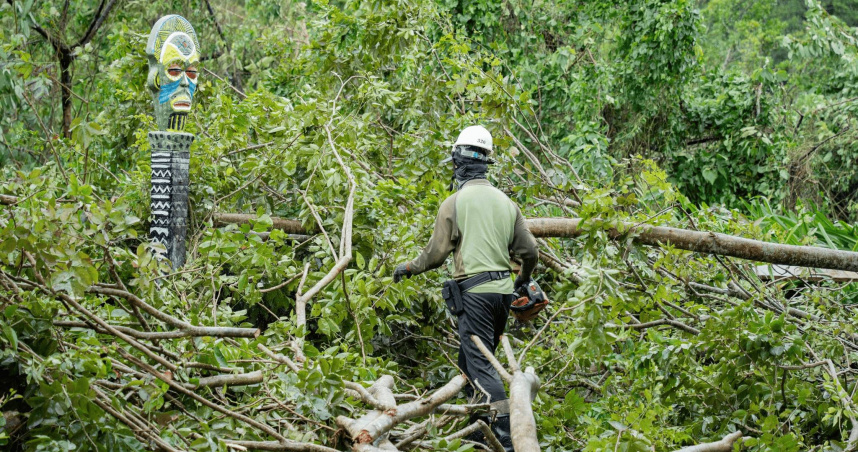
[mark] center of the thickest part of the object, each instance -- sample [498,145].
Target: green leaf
[11,335]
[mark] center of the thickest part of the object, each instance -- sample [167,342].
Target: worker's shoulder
[448,206]
[483,196]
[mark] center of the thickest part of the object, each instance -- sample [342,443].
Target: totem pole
[174,53]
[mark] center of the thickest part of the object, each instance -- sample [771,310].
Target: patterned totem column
[173,52]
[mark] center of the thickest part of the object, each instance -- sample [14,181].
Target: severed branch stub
[368,432]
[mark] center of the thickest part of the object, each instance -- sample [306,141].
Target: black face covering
[465,169]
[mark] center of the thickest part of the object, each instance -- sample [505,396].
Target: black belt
[483,277]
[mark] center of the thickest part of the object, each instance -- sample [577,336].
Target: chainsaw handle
[524,307]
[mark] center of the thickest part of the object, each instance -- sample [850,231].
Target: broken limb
[283,224]
[506,376]
[696,241]
[645,325]
[375,424]
[157,335]
[279,358]
[708,243]
[724,445]
[192,330]
[250,378]
[481,426]
[522,390]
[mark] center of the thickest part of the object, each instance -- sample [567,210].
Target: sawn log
[697,241]
[709,243]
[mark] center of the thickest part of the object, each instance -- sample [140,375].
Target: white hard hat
[475,136]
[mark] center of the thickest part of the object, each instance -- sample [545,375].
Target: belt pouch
[453,297]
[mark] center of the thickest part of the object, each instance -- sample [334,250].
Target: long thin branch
[155,335]
[99,18]
[250,378]
[279,358]
[645,325]
[491,357]
[192,330]
[180,388]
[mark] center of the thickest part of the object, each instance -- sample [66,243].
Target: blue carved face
[178,59]
[173,79]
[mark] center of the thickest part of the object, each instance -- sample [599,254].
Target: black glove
[400,272]
[519,283]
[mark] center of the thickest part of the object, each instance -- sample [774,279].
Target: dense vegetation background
[725,115]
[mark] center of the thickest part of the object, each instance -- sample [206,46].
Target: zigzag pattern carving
[161,205]
[161,188]
[162,173]
[163,231]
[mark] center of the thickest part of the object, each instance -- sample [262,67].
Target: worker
[481,226]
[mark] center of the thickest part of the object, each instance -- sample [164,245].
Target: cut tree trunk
[696,241]
[285,225]
[708,243]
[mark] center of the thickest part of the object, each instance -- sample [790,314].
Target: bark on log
[376,424]
[710,243]
[285,225]
[697,241]
[723,445]
[522,390]
[250,378]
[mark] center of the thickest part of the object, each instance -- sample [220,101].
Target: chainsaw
[531,300]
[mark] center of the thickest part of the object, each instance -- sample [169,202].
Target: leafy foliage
[627,108]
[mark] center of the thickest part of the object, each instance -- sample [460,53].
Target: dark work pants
[485,316]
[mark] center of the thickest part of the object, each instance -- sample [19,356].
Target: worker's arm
[443,240]
[524,246]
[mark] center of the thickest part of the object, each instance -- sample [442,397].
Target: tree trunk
[708,243]
[66,60]
[684,239]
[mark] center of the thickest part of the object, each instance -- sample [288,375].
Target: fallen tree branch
[279,358]
[479,425]
[696,241]
[506,376]
[379,423]
[192,330]
[250,378]
[645,325]
[181,389]
[708,243]
[283,224]
[522,390]
[723,445]
[154,335]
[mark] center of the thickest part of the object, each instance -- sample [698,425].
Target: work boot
[501,429]
[478,436]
